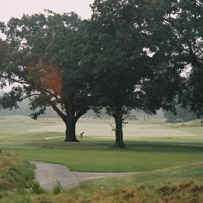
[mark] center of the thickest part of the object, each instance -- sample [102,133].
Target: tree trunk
[119,129]
[70,130]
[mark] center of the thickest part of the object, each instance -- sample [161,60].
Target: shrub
[58,188]
[36,188]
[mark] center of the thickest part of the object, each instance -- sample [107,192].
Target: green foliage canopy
[130,49]
[189,29]
[46,51]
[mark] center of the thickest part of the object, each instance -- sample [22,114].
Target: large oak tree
[130,50]
[44,65]
[189,30]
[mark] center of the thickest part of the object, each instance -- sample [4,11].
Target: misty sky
[16,8]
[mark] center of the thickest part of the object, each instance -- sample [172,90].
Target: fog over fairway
[103,129]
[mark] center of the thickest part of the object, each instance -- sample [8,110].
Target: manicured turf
[173,175]
[170,157]
[152,146]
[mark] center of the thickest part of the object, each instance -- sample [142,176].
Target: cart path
[48,174]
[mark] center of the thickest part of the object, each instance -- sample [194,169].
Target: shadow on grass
[136,146]
[165,147]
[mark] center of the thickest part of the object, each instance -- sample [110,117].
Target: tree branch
[78,115]
[60,113]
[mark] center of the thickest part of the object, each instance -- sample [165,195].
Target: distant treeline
[24,109]
[182,114]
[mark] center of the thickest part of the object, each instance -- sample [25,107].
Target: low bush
[58,188]
[36,188]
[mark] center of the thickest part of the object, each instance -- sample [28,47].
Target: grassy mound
[14,172]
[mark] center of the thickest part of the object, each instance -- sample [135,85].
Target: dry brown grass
[185,192]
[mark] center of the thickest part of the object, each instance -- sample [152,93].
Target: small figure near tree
[81,135]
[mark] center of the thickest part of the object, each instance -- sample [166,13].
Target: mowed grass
[150,145]
[170,157]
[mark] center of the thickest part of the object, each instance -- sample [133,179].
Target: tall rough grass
[183,192]
[14,172]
